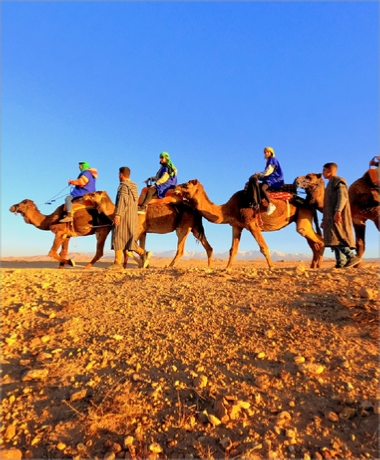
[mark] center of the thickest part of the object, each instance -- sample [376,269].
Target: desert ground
[190,362]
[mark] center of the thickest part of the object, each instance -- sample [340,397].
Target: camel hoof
[72,262]
[146,259]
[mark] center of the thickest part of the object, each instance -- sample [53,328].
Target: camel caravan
[183,207]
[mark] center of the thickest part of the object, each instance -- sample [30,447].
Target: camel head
[187,190]
[96,197]
[314,186]
[102,202]
[24,208]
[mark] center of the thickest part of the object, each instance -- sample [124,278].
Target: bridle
[306,184]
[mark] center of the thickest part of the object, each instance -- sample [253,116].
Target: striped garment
[124,235]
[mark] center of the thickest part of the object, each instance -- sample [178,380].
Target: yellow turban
[270,150]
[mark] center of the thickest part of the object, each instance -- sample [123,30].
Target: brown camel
[236,213]
[365,205]
[161,218]
[85,218]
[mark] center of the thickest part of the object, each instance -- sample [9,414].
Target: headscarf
[173,169]
[270,150]
[85,165]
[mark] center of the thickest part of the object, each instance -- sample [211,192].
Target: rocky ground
[190,362]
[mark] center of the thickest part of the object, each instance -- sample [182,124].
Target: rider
[272,177]
[85,183]
[165,179]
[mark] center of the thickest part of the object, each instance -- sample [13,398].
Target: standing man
[124,232]
[84,183]
[337,222]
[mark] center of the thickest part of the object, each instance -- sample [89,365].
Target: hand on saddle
[254,176]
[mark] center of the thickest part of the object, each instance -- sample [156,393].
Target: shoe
[271,208]
[142,210]
[353,262]
[115,267]
[147,256]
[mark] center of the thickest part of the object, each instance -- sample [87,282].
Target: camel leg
[64,251]
[59,241]
[142,242]
[377,222]
[126,255]
[202,238]
[101,236]
[236,235]
[256,233]
[131,254]
[182,234]
[360,238]
[318,251]
[304,227]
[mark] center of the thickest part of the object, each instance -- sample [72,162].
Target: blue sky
[212,83]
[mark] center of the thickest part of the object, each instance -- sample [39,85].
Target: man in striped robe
[124,232]
[337,221]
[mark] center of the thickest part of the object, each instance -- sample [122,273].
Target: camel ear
[319,175]
[193,181]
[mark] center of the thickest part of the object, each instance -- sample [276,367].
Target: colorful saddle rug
[285,192]
[169,197]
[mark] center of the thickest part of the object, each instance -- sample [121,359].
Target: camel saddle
[169,197]
[80,203]
[374,177]
[285,192]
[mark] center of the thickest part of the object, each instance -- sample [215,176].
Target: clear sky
[212,83]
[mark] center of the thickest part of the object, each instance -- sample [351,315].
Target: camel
[236,213]
[87,221]
[365,205]
[161,218]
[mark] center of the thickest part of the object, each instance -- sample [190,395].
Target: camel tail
[316,223]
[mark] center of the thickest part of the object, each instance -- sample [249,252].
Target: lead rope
[259,219]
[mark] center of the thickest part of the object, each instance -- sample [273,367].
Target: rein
[56,197]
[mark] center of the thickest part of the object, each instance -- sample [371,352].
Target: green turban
[169,163]
[85,165]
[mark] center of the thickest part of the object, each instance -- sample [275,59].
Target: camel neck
[210,211]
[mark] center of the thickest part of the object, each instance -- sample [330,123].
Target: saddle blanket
[281,195]
[169,197]
[80,203]
[285,192]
